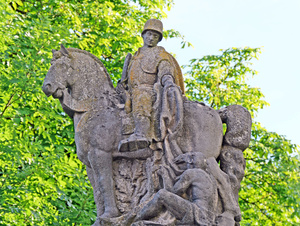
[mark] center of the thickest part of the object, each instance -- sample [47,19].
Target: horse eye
[57,54]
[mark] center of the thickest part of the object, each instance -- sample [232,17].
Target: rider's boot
[139,139]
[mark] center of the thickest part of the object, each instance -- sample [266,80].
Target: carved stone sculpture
[151,155]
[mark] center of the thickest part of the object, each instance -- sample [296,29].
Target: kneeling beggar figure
[152,156]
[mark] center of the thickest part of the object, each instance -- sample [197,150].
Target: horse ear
[63,50]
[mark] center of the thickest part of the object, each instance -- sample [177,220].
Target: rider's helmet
[155,25]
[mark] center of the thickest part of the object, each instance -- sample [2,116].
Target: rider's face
[151,38]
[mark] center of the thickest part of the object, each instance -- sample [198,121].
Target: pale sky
[274,25]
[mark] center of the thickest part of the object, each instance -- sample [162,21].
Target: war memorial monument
[152,156]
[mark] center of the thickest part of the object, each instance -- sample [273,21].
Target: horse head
[59,75]
[78,79]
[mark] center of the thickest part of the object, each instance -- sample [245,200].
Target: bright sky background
[211,25]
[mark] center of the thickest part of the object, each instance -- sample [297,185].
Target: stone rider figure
[150,70]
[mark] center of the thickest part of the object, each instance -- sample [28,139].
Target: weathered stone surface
[238,121]
[151,155]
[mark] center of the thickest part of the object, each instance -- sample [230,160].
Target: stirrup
[133,143]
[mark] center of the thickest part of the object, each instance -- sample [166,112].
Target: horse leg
[97,194]
[101,163]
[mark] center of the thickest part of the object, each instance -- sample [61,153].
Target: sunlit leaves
[273,173]
[220,80]
[42,182]
[269,194]
[171,33]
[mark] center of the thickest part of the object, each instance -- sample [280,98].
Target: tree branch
[19,11]
[261,210]
[7,105]
[10,101]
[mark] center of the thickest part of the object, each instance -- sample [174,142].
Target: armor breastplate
[143,67]
[137,76]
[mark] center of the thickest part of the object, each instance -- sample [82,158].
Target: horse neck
[90,79]
[92,88]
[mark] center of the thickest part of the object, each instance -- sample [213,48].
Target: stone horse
[82,84]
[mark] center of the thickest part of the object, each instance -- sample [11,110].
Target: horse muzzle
[49,90]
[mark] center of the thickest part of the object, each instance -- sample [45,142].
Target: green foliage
[171,33]
[220,80]
[42,182]
[270,189]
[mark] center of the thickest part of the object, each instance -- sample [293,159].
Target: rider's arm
[165,73]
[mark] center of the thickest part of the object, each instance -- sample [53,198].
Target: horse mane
[96,59]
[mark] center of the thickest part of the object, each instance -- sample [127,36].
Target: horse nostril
[47,89]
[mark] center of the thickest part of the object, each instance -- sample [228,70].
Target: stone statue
[151,155]
[201,202]
[150,71]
